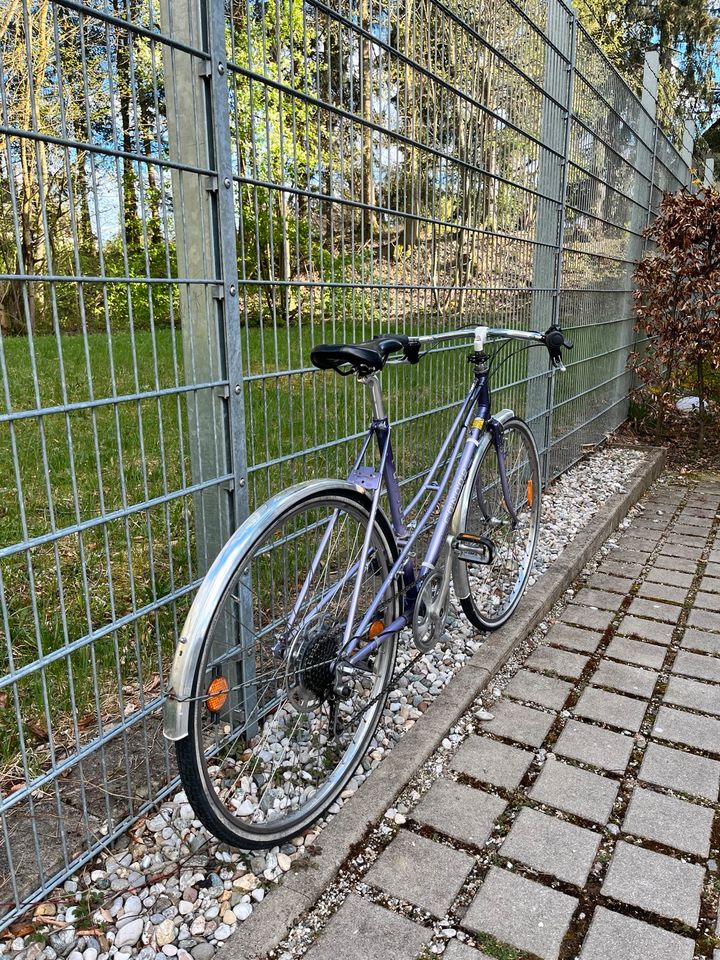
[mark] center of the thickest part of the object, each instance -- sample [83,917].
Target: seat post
[372,384]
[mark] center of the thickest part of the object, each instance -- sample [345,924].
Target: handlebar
[553,338]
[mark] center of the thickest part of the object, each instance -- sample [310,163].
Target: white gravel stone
[129,933]
[242,910]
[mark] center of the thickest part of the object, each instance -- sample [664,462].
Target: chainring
[430,612]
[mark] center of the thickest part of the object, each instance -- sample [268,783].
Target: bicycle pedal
[473,549]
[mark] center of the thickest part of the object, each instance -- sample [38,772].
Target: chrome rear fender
[210,593]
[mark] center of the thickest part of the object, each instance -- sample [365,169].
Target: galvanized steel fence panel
[191,195]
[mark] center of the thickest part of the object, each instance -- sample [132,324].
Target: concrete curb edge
[300,888]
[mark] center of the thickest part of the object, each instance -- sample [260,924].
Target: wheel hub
[311,670]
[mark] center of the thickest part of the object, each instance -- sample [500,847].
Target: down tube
[448,509]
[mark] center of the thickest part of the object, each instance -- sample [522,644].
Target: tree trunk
[130,215]
[368,180]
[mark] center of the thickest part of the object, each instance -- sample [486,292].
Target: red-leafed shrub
[677,305]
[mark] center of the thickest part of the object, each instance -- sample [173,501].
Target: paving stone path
[582,820]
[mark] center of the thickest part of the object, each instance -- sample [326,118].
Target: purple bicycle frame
[469,424]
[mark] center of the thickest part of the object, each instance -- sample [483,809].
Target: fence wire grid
[192,193]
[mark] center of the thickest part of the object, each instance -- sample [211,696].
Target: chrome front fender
[461,581]
[195,629]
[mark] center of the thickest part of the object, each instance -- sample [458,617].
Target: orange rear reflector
[376,628]
[529,491]
[217,694]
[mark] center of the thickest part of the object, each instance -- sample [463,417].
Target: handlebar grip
[411,352]
[555,340]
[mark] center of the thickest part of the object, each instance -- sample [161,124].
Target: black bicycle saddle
[367,357]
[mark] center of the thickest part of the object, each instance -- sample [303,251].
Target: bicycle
[288,651]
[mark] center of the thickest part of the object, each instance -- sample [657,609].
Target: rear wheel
[274,735]
[496,588]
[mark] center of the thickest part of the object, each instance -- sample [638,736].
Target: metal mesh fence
[191,195]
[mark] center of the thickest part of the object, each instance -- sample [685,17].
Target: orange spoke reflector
[217,694]
[529,491]
[376,628]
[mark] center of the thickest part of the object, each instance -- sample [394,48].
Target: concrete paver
[576,791]
[678,551]
[596,598]
[562,662]
[625,678]
[693,694]
[671,562]
[678,770]
[590,617]
[550,845]
[361,930]
[697,665]
[662,591]
[519,723]
[613,935]
[670,821]
[614,709]
[461,951]
[525,914]
[637,544]
[707,600]
[611,583]
[673,578]
[676,726]
[655,610]
[704,619]
[701,640]
[639,652]
[427,874]
[545,691]
[655,882]
[492,762]
[591,744]
[574,638]
[459,811]
[620,568]
[651,630]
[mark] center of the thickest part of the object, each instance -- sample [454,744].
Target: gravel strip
[168,889]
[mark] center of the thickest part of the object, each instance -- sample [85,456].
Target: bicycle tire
[494,594]
[221,813]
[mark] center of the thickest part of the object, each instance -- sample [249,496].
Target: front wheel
[274,735]
[494,590]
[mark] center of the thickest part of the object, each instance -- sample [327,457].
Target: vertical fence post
[649,133]
[709,173]
[199,134]
[243,695]
[550,217]
[189,119]
[688,147]
[645,169]
[206,238]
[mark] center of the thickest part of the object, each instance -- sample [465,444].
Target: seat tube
[381,428]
